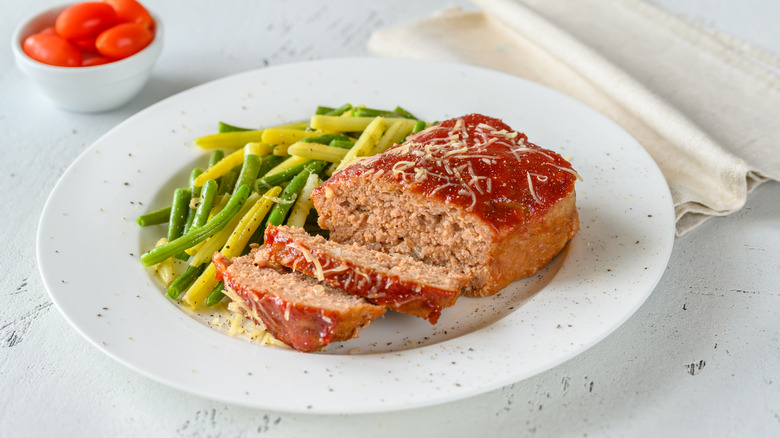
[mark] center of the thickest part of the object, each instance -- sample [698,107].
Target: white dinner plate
[89,244]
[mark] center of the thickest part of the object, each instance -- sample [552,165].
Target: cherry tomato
[85,20]
[123,40]
[49,30]
[130,11]
[86,45]
[95,60]
[52,49]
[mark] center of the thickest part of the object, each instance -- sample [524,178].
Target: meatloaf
[397,282]
[469,194]
[295,308]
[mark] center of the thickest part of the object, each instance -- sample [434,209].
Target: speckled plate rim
[88,243]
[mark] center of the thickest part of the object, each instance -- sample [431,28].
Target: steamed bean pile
[257,177]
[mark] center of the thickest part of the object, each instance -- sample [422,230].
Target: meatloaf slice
[469,193]
[395,281]
[295,308]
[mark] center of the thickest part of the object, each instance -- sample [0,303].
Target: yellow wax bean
[398,129]
[258,148]
[304,203]
[279,136]
[343,124]
[331,169]
[281,150]
[403,132]
[201,288]
[227,140]
[286,164]
[250,222]
[215,242]
[367,140]
[164,269]
[239,237]
[222,167]
[316,151]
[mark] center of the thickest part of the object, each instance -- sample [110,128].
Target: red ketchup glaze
[380,288]
[298,326]
[478,163]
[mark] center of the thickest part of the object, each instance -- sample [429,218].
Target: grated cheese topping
[479,163]
[311,259]
[240,320]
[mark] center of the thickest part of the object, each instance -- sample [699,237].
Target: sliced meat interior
[295,308]
[397,282]
[469,194]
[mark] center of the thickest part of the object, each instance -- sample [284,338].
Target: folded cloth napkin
[705,105]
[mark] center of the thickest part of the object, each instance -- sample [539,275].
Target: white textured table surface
[700,358]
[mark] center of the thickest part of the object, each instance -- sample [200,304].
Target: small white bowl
[86,89]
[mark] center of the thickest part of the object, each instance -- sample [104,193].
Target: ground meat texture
[397,282]
[469,194]
[295,309]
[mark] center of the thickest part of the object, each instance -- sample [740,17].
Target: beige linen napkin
[705,105]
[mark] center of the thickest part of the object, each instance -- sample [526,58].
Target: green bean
[288,195]
[323,174]
[224,127]
[268,163]
[156,217]
[419,126]
[199,234]
[322,110]
[185,280]
[249,170]
[216,155]
[340,110]
[229,181]
[179,210]
[200,215]
[325,138]
[267,182]
[216,295]
[188,223]
[194,174]
[342,144]
[371,112]
[195,191]
[207,194]
[404,113]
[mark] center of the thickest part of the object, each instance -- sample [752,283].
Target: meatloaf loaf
[297,309]
[397,282]
[469,194]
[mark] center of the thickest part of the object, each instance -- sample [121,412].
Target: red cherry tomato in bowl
[123,40]
[86,45]
[85,20]
[52,49]
[95,60]
[130,11]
